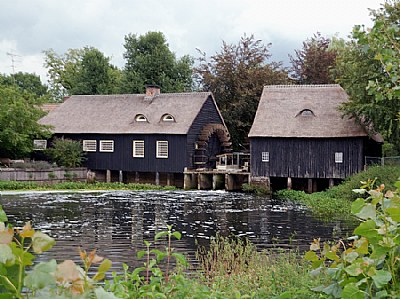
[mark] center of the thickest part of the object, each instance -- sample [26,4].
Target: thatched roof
[115,114]
[279,113]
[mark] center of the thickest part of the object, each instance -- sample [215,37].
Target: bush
[66,152]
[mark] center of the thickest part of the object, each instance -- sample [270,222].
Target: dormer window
[140,118]
[306,112]
[168,118]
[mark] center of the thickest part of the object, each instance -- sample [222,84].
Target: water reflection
[116,223]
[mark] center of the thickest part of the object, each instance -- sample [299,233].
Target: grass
[235,268]
[13,185]
[335,202]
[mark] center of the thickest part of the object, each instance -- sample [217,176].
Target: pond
[117,222]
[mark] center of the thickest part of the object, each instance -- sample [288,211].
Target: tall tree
[150,61]
[19,115]
[369,70]
[236,75]
[311,64]
[81,71]
[25,82]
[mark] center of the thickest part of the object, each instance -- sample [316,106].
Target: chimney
[152,91]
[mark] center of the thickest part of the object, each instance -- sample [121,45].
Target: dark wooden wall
[207,115]
[306,157]
[122,157]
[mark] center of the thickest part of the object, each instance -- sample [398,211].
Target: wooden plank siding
[122,157]
[306,157]
[208,115]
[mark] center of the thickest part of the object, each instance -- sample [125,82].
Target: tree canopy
[81,71]
[150,61]
[312,63]
[19,115]
[236,76]
[368,69]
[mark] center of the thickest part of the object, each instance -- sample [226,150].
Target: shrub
[66,152]
[368,266]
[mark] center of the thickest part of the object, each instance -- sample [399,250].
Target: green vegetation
[13,185]
[336,201]
[66,152]
[368,267]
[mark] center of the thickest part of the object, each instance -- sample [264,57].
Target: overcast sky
[27,27]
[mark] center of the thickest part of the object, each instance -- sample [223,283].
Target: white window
[168,118]
[89,145]
[39,144]
[140,117]
[265,156]
[138,148]
[162,149]
[338,157]
[106,145]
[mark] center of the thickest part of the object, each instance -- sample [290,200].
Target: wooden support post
[310,186]
[289,183]
[205,181]
[157,178]
[170,179]
[315,185]
[108,176]
[218,181]
[331,183]
[121,177]
[137,177]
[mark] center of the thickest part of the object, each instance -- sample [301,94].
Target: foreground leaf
[42,242]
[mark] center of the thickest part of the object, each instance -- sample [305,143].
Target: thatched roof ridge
[115,114]
[281,107]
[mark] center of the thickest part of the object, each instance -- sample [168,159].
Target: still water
[117,222]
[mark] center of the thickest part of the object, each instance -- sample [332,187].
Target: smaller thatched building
[299,138]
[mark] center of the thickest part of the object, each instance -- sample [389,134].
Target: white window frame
[39,144]
[162,149]
[89,145]
[168,118]
[141,118]
[264,156]
[107,146]
[339,157]
[138,149]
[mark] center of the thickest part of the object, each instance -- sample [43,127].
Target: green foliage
[336,201]
[26,82]
[81,71]
[236,76]
[368,69]
[311,64]
[66,152]
[150,61]
[368,267]
[251,188]
[19,115]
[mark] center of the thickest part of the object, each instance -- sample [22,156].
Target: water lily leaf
[354,269]
[41,275]
[351,291]
[42,242]
[361,245]
[181,258]
[351,256]
[67,271]
[27,231]
[102,294]
[332,256]
[177,235]
[6,255]
[103,268]
[379,251]
[394,213]
[368,229]
[368,211]
[357,205]
[3,215]
[6,234]
[381,278]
